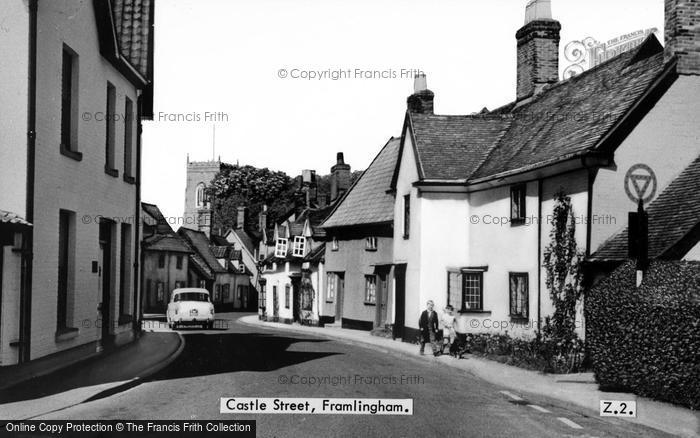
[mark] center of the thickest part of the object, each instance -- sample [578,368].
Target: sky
[287,84]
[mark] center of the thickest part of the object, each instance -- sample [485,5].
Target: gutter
[25,299]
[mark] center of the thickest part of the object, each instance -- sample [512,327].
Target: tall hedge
[647,340]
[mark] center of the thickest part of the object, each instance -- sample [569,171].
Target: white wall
[9,312]
[79,186]
[503,248]
[444,244]
[574,185]
[14,47]
[693,254]
[666,140]
[408,251]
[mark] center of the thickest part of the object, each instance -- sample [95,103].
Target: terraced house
[359,248]
[79,82]
[475,194]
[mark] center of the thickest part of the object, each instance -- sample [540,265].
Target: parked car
[190,306]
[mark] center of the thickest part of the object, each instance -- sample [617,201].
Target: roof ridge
[356,182]
[574,78]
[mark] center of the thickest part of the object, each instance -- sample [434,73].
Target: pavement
[578,392]
[42,387]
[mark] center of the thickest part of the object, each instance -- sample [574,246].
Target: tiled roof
[200,265]
[571,117]
[246,239]
[162,225]
[296,228]
[7,217]
[219,252]
[132,22]
[316,254]
[166,242]
[200,244]
[674,221]
[451,147]
[566,120]
[367,201]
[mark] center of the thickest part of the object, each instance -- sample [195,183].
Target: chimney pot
[538,10]
[339,158]
[421,101]
[420,83]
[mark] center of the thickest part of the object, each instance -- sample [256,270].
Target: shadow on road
[206,354]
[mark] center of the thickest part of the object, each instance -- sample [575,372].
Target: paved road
[238,360]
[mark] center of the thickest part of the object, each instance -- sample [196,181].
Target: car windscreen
[191,296]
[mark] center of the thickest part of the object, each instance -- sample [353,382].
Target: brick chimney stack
[682,35]
[340,178]
[538,49]
[240,219]
[421,101]
[262,219]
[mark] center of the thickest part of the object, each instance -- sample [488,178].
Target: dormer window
[281,248]
[299,246]
[371,244]
[201,195]
[335,246]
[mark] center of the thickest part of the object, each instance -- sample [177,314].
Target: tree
[254,187]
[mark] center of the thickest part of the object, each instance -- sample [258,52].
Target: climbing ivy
[562,265]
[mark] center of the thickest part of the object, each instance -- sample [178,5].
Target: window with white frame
[465,290]
[331,285]
[281,248]
[299,246]
[334,244]
[370,289]
[371,244]
[473,290]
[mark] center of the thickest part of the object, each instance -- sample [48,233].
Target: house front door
[296,299]
[105,282]
[275,303]
[400,301]
[339,298]
[382,299]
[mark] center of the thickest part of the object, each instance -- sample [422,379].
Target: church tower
[198,210]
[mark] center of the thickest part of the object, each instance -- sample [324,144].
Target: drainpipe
[25,300]
[138,255]
[539,256]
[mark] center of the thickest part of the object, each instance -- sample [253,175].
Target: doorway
[382,297]
[340,293]
[105,281]
[296,299]
[275,304]
[399,301]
